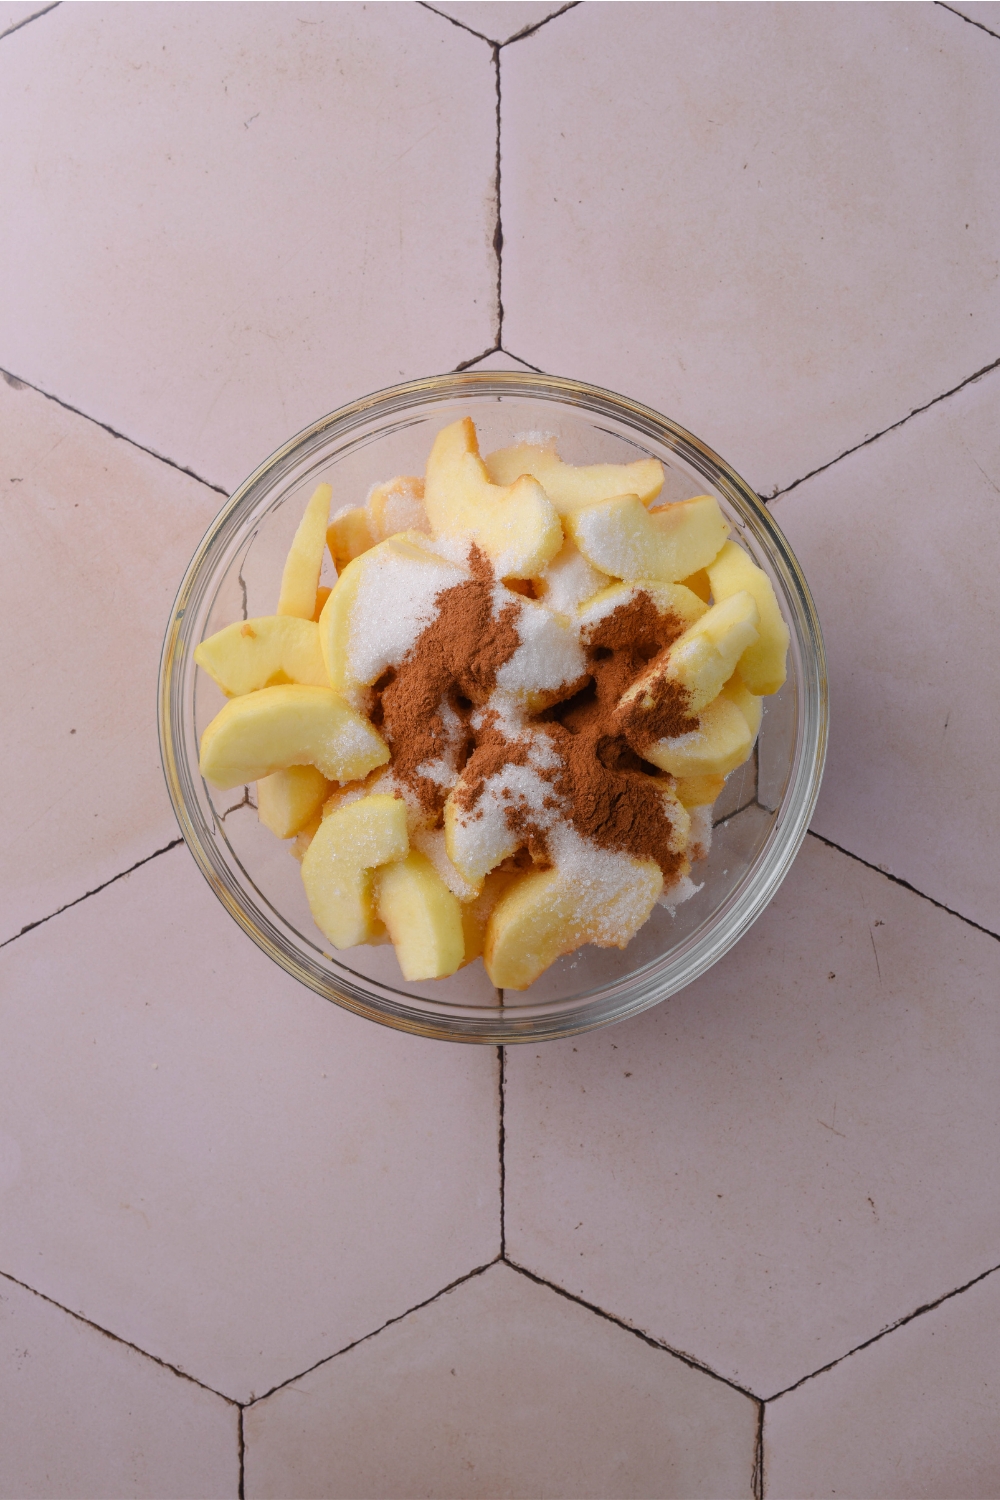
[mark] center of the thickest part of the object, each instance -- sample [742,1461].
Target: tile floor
[747,1244]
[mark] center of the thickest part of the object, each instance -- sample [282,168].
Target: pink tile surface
[915,1415]
[496,20]
[984,12]
[95,538]
[213,1162]
[502,1387]
[83,1416]
[899,543]
[227,229]
[764,220]
[794,1152]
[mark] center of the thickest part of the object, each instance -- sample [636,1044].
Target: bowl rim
[487,1025]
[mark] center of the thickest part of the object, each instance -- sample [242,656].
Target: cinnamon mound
[425,711]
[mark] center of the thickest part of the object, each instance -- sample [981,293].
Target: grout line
[242,1450]
[502,1057]
[18,384]
[37,15]
[465,363]
[498,228]
[460,24]
[30,926]
[968,19]
[117,1339]
[900,1322]
[776,494]
[244,801]
[459,1281]
[898,880]
[757,1478]
[537,368]
[647,1338]
[530,30]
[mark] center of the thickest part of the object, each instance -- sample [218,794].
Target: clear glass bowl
[761,817]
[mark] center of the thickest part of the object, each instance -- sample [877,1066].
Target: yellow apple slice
[338,868]
[763,664]
[267,652]
[590,897]
[698,791]
[568,581]
[379,605]
[571,486]
[423,918]
[288,800]
[697,664]
[349,534]
[515,525]
[300,578]
[624,539]
[289,726]
[397,505]
[476,914]
[699,583]
[669,599]
[721,742]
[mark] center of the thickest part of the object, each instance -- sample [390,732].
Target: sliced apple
[379,605]
[624,539]
[763,665]
[568,581]
[422,916]
[699,583]
[338,868]
[349,534]
[548,662]
[397,505]
[266,652]
[669,599]
[748,703]
[288,800]
[476,914]
[699,661]
[516,525]
[289,726]
[571,486]
[727,729]
[300,578]
[604,900]
[698,791]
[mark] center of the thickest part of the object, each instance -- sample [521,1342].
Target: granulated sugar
[549,658]
[412,579]
[614,893]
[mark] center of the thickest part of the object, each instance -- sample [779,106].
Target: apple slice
[571,486]
[591,896]
[338,868]
[515,525]
[669,599]
[397,505]
[698,791]
[763,664]
[424,919]
[379,605]
[300,578]
[624,539]
[287,800]
[694,669]
[721,742]
[699,583]
[266,652]
[349,534]
[476,914]
[568,581]
[289,726]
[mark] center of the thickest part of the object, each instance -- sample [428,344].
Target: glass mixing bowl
[760,819]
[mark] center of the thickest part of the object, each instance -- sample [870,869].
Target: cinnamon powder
[600,784]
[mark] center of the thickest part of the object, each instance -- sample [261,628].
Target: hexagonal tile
[900,543]
[231,219]
[96,537]
[789,1155]
[213,1162]
[776,223]
[502,1387]
[913,1417]
[499,21]
[84,1415]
